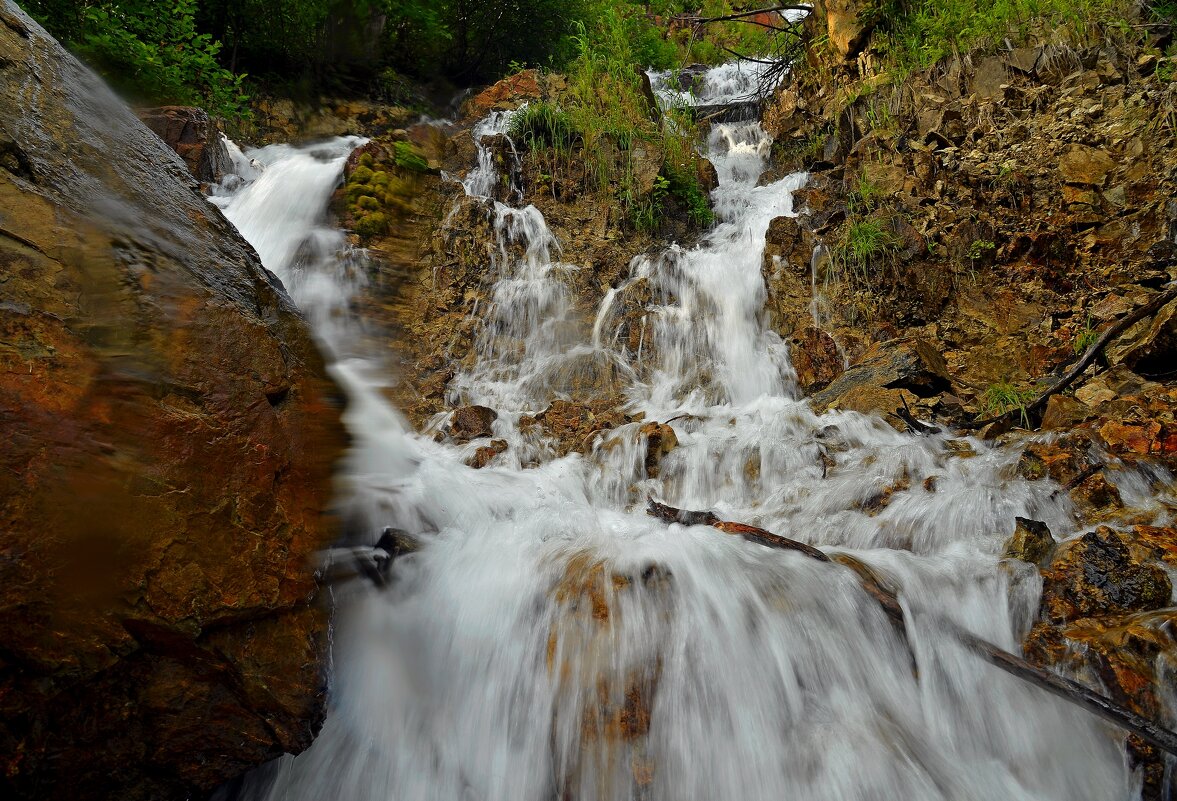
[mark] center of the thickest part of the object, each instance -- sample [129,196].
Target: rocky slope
[169,435]
[1000,211]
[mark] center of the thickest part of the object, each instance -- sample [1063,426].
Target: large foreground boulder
[168,440]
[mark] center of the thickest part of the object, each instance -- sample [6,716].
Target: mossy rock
[372,224]
[404,187]
[368,203]
[361,175]
[356,191]
[379,179]
[407,157]
[366,160]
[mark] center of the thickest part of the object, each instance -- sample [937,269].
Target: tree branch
[1147,310]
[887,599]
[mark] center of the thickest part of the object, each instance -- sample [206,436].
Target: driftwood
[1068,378]
[1065,688]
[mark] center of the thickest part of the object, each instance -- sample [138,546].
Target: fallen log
[887,599]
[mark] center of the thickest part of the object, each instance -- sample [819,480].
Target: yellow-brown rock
[169,435]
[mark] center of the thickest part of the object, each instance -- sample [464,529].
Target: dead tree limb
[887,599]
[1122,325]
[741,15]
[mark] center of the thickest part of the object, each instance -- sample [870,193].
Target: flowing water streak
[552,641]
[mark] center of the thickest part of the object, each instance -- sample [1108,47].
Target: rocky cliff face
[169,436]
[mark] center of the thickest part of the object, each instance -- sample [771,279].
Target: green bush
[542,125]
[148,49]
[372,224]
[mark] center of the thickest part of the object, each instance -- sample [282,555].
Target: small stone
[472,422]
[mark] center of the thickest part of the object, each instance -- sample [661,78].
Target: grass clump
[1003,397]
[1085,338]
[543,125]
[867,242]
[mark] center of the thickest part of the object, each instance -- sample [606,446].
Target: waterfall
[551,640]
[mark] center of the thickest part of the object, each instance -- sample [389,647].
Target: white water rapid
[551,641]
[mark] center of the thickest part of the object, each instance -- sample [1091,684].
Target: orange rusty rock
[1139,439]
[509,91]
[169,435]
[1097,575]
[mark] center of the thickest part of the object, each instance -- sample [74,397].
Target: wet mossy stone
[1096,575]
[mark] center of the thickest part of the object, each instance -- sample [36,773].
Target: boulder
[169,439]
[848,24]
[1150,347]
[1085,165]
[192,134]
[1031,542]
[816,359]
[506,94]
[660,440]
[1096,574]
[876,383]
[472,422]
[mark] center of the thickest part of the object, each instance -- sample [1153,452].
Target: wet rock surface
[1097,574]
[194,136]
[169,440]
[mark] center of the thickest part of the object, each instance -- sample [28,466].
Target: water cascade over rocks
[551,640]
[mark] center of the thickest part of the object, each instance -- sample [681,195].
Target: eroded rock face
[169,435]
[193,135]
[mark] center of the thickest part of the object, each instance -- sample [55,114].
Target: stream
[552,641]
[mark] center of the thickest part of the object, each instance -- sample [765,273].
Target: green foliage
[542,125]
[150,50]
[407,158]
[979,248]
[915,34]
[1004,397]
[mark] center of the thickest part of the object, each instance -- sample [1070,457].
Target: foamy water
[551,640]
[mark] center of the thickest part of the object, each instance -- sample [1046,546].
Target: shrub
[372,224]
[541,125]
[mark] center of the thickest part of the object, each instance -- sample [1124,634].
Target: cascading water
[551,640]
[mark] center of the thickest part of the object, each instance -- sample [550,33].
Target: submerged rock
[169,435]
